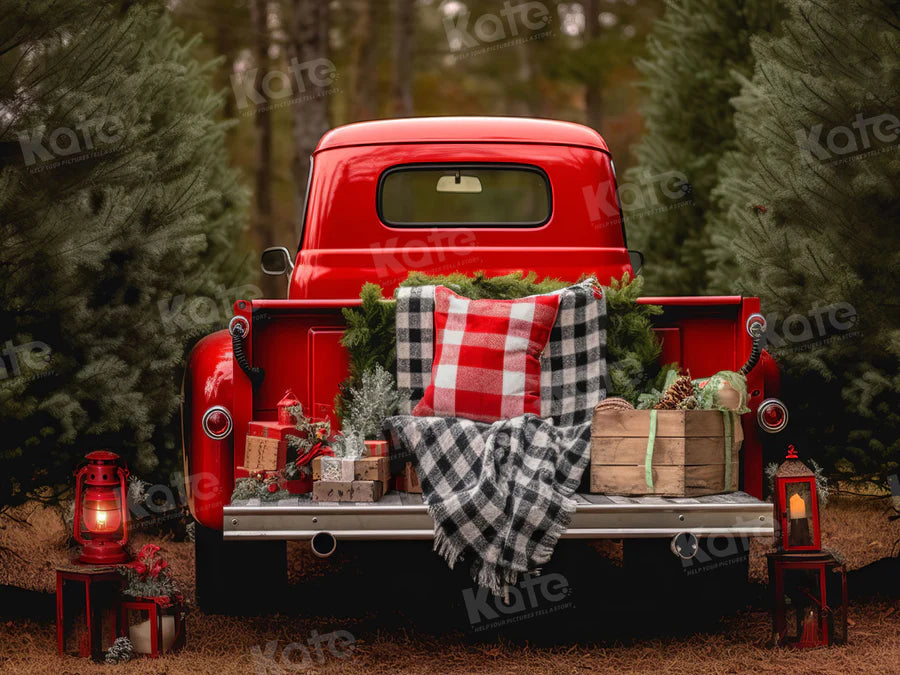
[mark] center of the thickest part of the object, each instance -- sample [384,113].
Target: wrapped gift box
[299,486]
[408,481]
[377,448]
[266,444]
[336,469]
[347,491]
[261,455]
[364,469]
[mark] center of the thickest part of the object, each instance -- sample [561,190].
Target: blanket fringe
[544,550]
[447,548]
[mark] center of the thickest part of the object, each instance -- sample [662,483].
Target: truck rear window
[464,195]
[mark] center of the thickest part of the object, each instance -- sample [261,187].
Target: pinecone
[689,403]
[121,651]
[680,389]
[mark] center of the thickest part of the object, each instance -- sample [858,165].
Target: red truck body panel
[345,244]
[471,129]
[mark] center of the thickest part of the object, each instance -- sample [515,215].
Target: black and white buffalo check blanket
[501,493]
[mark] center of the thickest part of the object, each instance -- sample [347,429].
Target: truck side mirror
[275,261]
[637,261]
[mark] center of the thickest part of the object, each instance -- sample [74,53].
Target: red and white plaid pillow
[487,356]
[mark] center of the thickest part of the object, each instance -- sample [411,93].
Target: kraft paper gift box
[337,469]
[347,491]
[262,452]
[365,468]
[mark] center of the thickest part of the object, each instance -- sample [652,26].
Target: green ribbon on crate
[728,421]
[728,424]
[648,458]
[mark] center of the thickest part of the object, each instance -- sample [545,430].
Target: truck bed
[401,515]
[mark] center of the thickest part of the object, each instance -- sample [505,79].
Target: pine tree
[372,402]
[118,214]
[809,207]
[696,49]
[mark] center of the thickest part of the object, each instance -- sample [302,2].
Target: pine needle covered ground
[393,599]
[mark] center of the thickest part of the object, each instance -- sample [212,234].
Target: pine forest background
[755,144]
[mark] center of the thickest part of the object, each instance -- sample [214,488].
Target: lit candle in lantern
[797,507]
[102,510]
[798,524]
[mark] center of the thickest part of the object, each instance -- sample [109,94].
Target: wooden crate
[688,453]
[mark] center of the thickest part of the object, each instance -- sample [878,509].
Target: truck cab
[378,206]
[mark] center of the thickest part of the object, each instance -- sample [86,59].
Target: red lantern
[289,400]
[797,505]
[101,518]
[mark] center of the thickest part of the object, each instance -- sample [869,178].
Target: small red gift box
[376,448]
[299,486]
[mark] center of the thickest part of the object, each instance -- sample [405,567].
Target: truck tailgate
[399,515]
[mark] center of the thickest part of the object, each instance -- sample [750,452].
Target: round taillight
[217,422]
[772,415]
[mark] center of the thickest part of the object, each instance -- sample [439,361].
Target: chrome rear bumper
[403,516]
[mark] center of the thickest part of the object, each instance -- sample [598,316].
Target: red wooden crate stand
[816,615]
[94,609]
[156,610]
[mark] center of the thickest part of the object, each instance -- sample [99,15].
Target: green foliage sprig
[266,490]
[369,339]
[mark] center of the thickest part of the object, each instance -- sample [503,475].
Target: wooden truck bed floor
[401,515]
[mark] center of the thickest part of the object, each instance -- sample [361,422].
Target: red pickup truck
[377,207]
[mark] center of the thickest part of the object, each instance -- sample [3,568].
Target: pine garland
[370,340]
[479,286]
[633,350]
